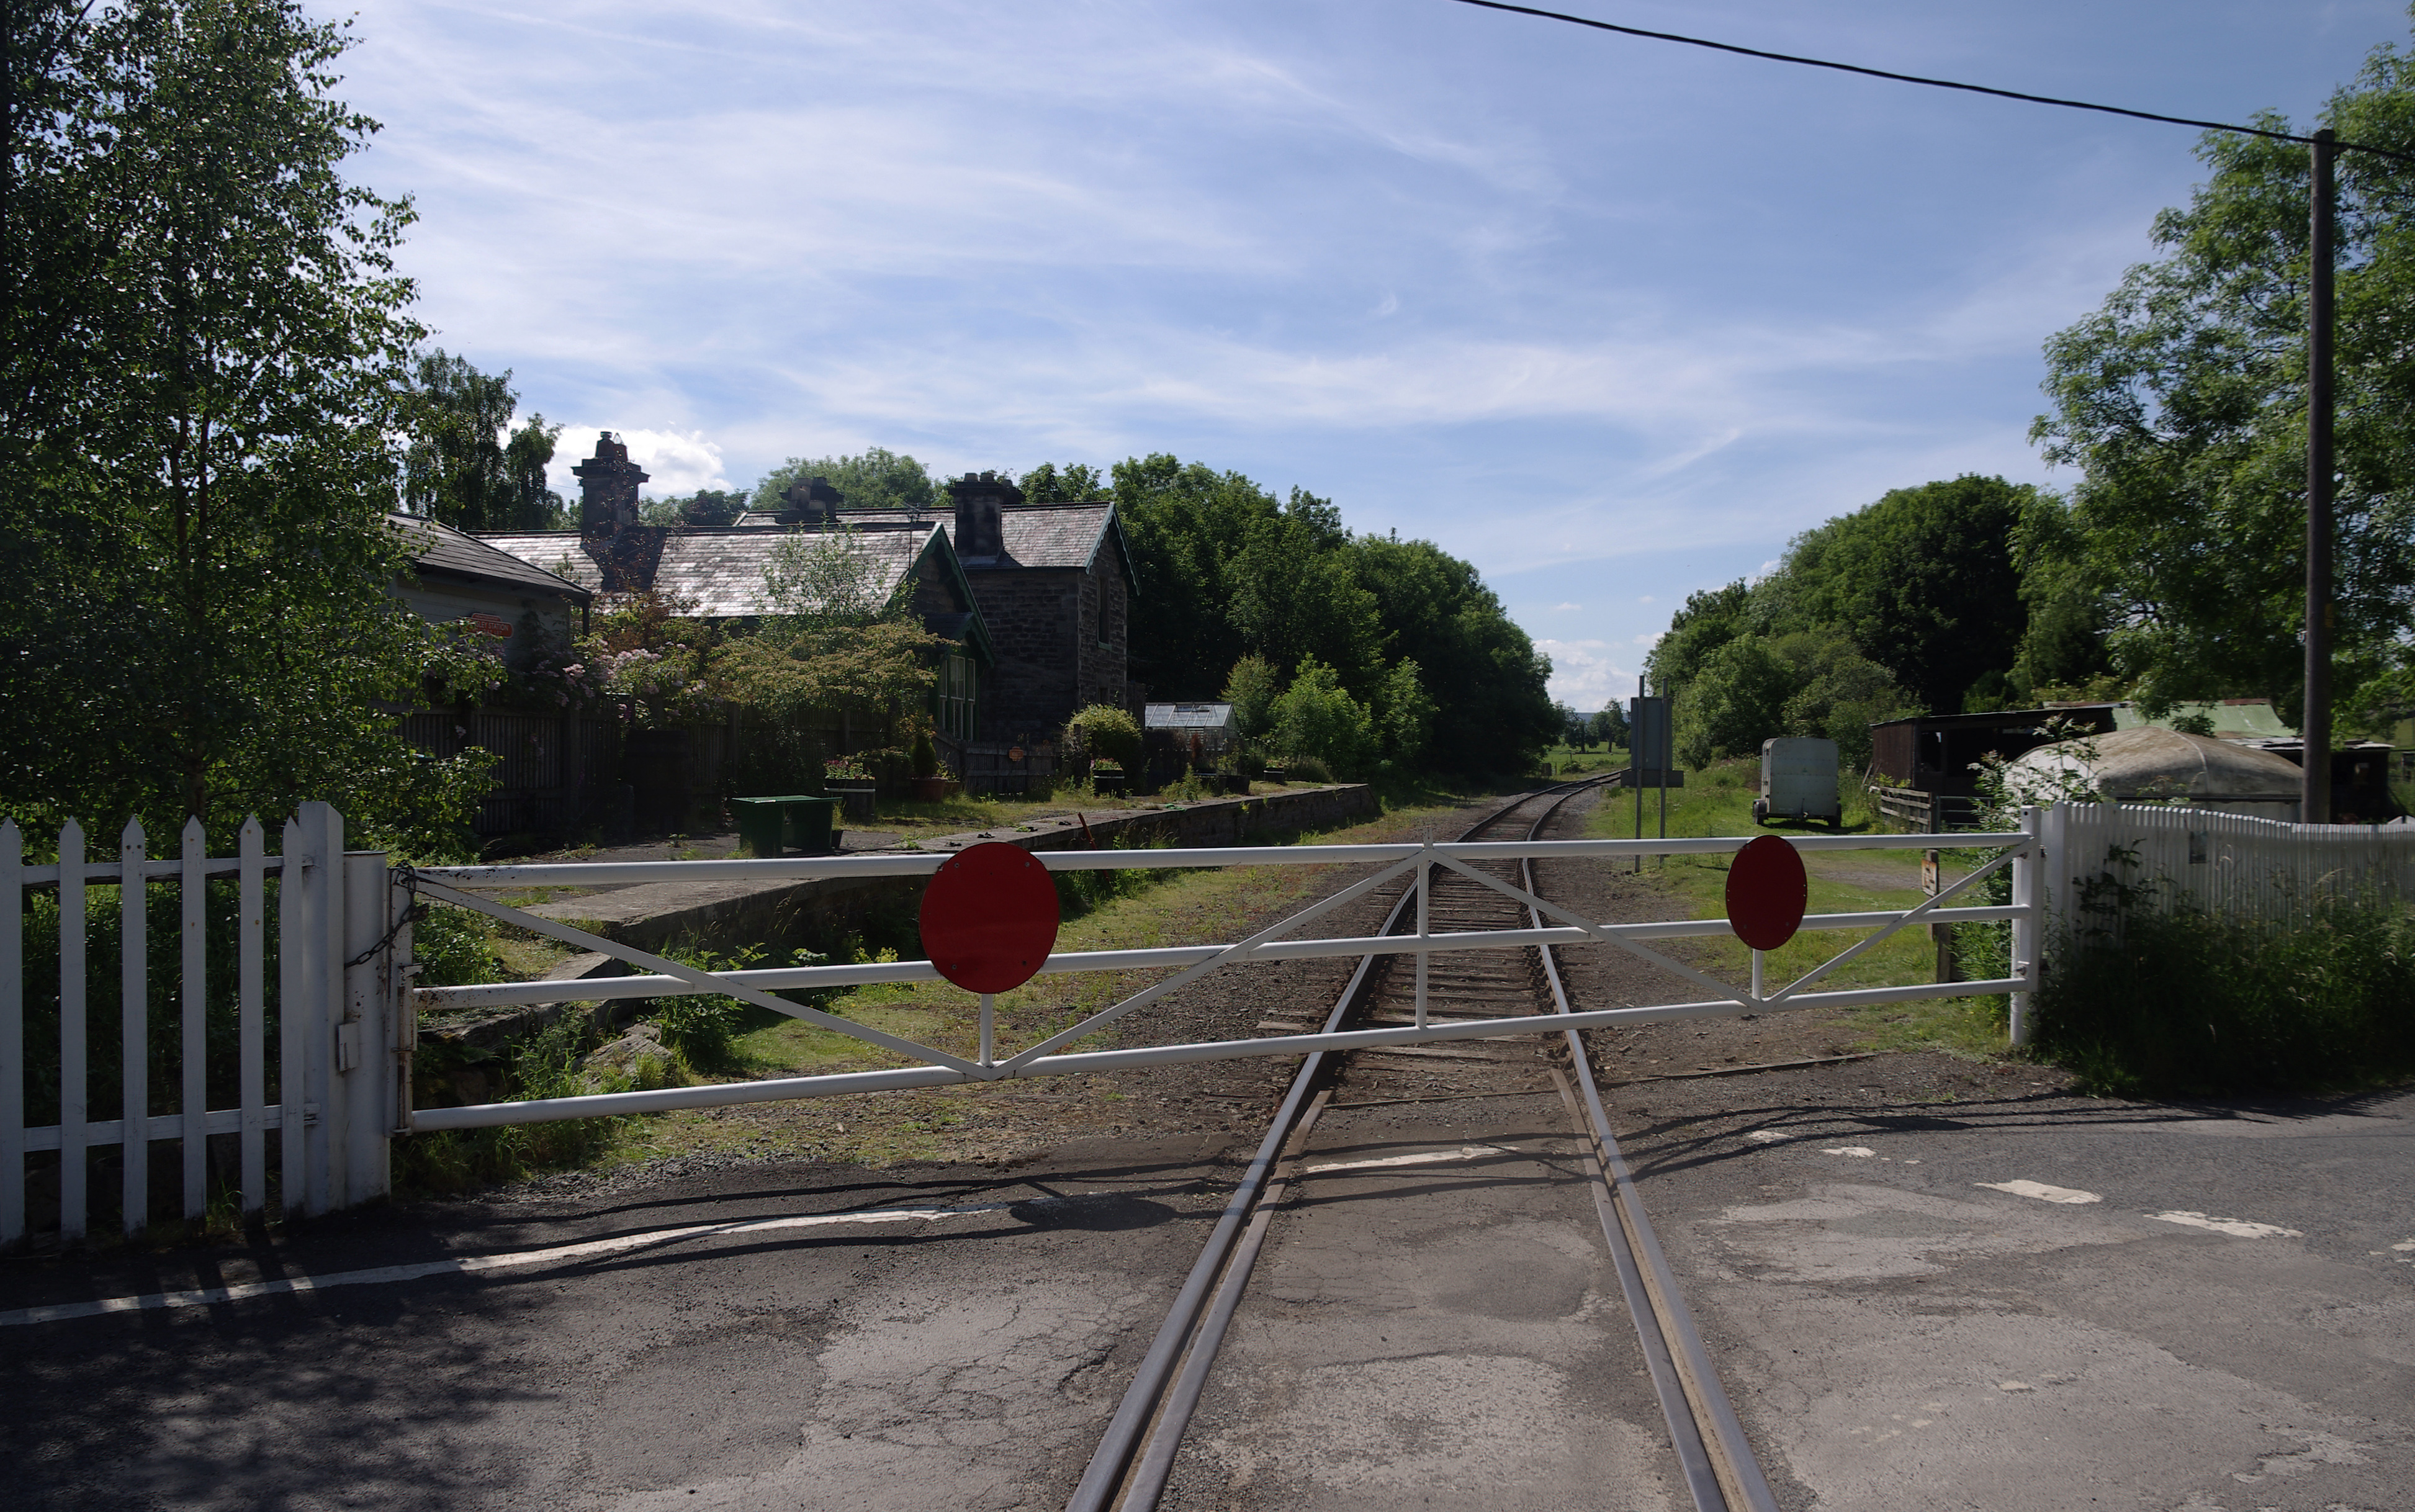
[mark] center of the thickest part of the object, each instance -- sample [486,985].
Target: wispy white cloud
[1533,298]
[675,462]
[1585,674]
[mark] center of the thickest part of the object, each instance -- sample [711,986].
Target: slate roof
[1187,715]
[1037,535]
[447,552]
[555,552]
[721,570]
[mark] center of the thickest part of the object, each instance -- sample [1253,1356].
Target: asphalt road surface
[2018,1300]
[2020,1303]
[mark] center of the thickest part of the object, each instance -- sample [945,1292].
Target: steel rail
[1727,1477]
[1129,1433]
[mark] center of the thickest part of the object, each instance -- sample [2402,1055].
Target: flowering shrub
[845,769]
[657,662]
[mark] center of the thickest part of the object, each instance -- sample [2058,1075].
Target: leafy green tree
[459,469]
[1317,717]
[1228,571]
[1736,700]
[1294,594]
[1610,725]
[1049,484]
[1185,523]
[1708,619]
[705,507]
[828,579]
[1402,716]
[2182,403]
[874,478]
[207,355]
[1810,683]
[1837,693]
[1251,688]
[1922,581]
[1493,713]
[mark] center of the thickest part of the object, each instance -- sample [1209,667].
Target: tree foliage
[1754,687]
[461,468]
[1316,717]
[1049,484]
[709,507]
[1951,594]
[2182,403]
[1923,582]
[1251,688]
[205,353]
[874,478]
[1230,572]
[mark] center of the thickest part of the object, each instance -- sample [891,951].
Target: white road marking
[2040,1191]
[1768,1137]
[1862,1151]
[2238,1227]
[2404,1246]
[474,1265]
[1465,1152]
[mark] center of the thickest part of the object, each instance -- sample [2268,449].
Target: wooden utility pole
[2315,725]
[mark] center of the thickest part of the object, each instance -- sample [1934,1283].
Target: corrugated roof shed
[441,548]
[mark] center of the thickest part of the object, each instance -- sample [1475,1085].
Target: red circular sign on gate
[1767,893]
[989,918]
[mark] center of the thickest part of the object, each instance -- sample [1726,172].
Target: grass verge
[1717,801]
[720,1040]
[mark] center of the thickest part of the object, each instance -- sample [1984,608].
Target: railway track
[1137,1455]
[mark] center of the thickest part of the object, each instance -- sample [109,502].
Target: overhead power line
[1932,83]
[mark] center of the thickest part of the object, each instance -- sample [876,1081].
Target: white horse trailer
[1798,781]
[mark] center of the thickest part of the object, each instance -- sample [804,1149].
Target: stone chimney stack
[809,502]
[981,499]
[608,488]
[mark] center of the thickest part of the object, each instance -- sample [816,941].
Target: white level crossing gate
[1050,1056]
[308,951]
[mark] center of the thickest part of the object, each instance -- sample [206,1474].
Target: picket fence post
[12,1033]
[366,1030]
[2028,869]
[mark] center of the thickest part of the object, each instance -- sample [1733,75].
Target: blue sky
[1611,319]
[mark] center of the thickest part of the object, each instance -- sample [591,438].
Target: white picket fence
[2228,866]
[327,1098]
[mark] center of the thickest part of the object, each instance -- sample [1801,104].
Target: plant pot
[1107,782]
[930,789]
[856,800]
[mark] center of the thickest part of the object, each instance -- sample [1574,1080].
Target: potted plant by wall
[1106,777]
[845,778]
[930,783]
